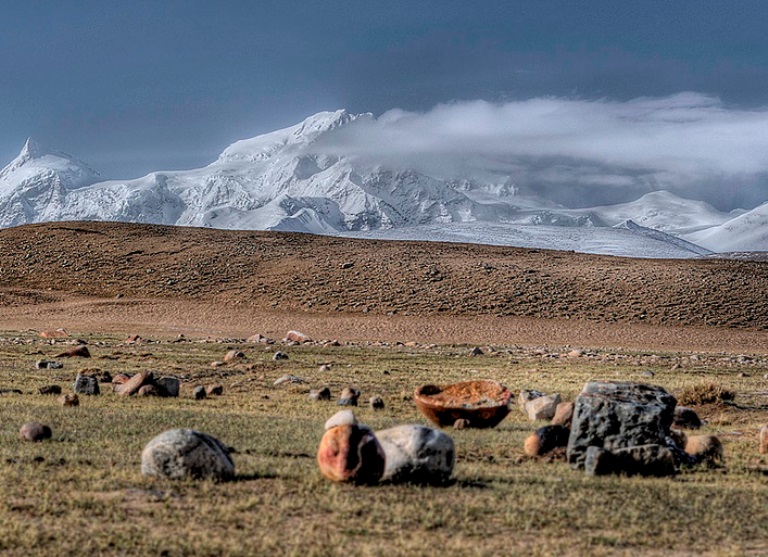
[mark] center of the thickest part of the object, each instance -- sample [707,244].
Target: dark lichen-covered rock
[619,415]
[641,460]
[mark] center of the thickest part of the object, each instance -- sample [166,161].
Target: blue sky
[131,87]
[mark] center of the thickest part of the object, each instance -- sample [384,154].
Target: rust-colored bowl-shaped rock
[483,403]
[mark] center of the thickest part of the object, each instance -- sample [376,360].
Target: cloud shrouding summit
[579,152]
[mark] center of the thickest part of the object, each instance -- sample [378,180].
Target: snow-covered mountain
[746,232]
[282,181]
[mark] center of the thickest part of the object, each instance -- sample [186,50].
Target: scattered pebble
[349,397]
[376,402]
[34,431]
[288,379]
[280,356]
[320,394]
[69,400]
[49,390]
[217,389]
[199,392]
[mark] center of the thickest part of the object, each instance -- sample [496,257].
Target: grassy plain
[82,492]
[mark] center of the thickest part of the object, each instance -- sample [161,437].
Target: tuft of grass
[705,393]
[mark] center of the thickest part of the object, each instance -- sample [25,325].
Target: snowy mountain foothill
[281,181]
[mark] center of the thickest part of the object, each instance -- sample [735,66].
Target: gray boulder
[640,460]
[86,385]
[416,454]
[168,386]
[542,407]
[618,415]
[185,453]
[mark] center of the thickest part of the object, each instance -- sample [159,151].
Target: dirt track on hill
[163,280]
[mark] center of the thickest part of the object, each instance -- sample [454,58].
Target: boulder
[546,439]
[619,415]
[297,336]
[185,453]
[417,454]
[132,386]
[563,414]
[214,390]
[376,403]
[76,352]
[542,408]
[49,390]
[280,356]
[233,356]
[642,460]
[48,364]
[525,396]
[54,333]
[34,431]
[168,386]
[342,417]
[349,397]
[69,400]
[706,448]
[686,418]
[86,385]
[261,339]
[351,453]
[148,390]
[764,439]
[320,394]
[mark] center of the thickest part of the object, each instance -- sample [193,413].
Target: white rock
[342,417]
[543,407]
[417,454]
[186,453]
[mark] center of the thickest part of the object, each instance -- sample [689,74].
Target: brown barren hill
[117,275]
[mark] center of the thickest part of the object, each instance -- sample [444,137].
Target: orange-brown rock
[77,352]
[764,439]
[297,336]
[351,453]
[532,445]
[563,414]
[135,383]
[57,333]
[233,356]
[69,400]
[707,447]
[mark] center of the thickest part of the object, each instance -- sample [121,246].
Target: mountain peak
[33,149]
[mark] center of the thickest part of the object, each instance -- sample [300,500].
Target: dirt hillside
[126,269]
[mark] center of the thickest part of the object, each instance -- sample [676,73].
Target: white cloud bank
[688,142]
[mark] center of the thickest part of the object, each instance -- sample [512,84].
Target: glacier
[281,181]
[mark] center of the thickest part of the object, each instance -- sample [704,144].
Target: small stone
[525,396]
[49,390]
[764,439]
[349,397]
[233,356]
[104,377]
[148,390]
[69,400]
[546,439]
[288,379]
[297,336]
[563,414]
[217,363]
[543,407]
[461,423]
[199,392]
[647,373]
[476,351]
[280,356]
[376,402]
[34,431]
[168,386]
[77,352]
[320,394]
[261,339]
[185,453]
[216,390]
[342,417]
[86,385]
[708,448]
[133,339]
[678,437]
[417,454]
[351,453]
[324,368]
[686,418]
